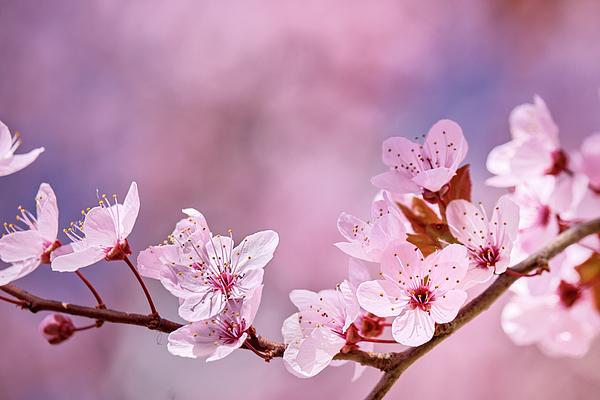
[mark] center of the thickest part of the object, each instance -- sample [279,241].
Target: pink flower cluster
[554,189]
[218,284]
[431,244]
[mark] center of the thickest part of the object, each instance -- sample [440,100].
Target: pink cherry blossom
[102,235]
[587,161]
[367,240]
[534,151]
[415,168]
[190,233]
[26,249]
[220,334]
[488,242]
[9,162]
[418,291]
[562,319]
[320,329]
[211,271]
[543,202]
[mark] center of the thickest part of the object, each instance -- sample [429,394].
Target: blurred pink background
[269,115]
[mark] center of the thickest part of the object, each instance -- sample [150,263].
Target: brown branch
[35,304]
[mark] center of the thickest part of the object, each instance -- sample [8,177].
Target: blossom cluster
[554,189]
[426,238]
[218,284]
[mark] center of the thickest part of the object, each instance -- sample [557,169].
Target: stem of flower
[266,357]
[139,278]
[17,302]
[442,207]
[95,325]
[94,292]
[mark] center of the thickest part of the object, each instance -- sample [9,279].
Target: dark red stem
[139,278]
[89,285]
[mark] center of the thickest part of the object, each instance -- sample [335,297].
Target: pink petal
[434,179]
[47,213]
[352,228]
[357,272]
[18,270]
[356,250]
[151,260]
[5,140]
[385,230]
[382,298]
[227,348]
[79,259]
[445,309]
[310,356]
[396,182]
[99,228]
[413,327]
[251,304]
[21,245]
[255,250]
[401,256]
[465,221]
[130,210]
[201,306]
[291,329]
[18,162]
[349,303]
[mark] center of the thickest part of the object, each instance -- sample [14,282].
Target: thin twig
[139,278]
[94,292]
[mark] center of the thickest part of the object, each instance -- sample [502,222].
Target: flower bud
[56,328]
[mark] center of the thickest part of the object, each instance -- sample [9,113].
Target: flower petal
[382,298]
[310,356]
[413,327]
[130,210]
[79,259]
[21,245]
[445,309]
[19,161]
[18,270]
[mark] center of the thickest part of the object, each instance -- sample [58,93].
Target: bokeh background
[269,115]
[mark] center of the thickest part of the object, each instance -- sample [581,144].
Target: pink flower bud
[56,328]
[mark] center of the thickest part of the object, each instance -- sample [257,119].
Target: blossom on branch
[416,168]
[220,334]
[418,291]
[534,151]
[9,162]
[190,233]
[102,234]
[554,311]
[368,240]
[205,272]
[26,249]
[488,242]
[320,329]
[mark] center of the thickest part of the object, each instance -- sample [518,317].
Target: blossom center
[486,257]
[568,294]
[421,297]
[119,251]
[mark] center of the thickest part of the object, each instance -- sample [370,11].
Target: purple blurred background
[269,115]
